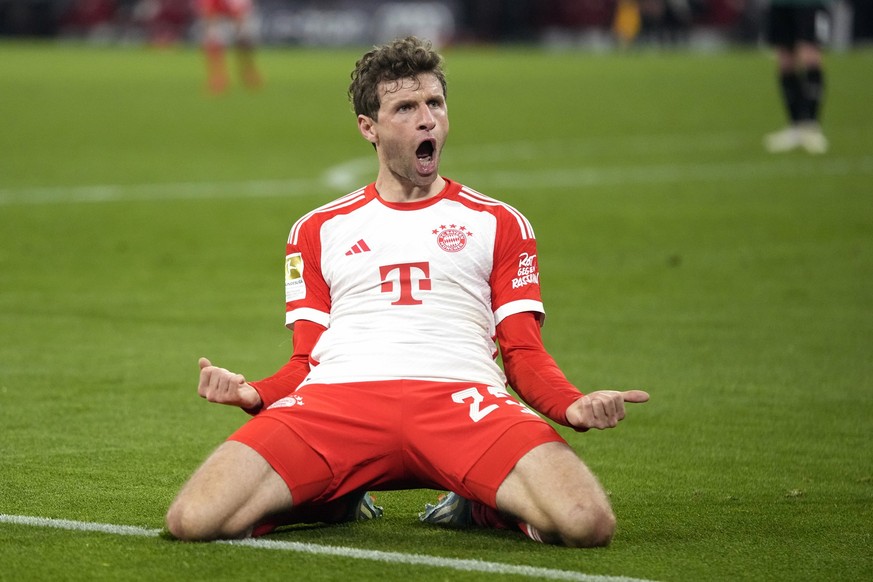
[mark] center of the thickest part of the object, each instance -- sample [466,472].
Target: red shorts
[329,440]
[231,8]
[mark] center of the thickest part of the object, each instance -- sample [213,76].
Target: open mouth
[425,157]
[425,150]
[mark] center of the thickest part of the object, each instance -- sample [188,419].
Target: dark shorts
[329,440]
[789,25]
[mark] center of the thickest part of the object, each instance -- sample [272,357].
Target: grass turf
[142,225]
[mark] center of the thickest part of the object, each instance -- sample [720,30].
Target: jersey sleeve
[531,371]
[515,276]
[289,376]
[307,295]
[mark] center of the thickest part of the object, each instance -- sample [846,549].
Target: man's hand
[225,387]
[602,409]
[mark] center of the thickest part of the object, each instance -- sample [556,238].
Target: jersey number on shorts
[475,397]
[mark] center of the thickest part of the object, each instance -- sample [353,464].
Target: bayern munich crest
[452,238]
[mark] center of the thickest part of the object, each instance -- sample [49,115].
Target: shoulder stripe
[337,204]
[523,223]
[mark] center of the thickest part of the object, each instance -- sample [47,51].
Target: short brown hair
[401,59]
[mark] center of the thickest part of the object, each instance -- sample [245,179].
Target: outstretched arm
[226,387]
[289,376]
[535,376]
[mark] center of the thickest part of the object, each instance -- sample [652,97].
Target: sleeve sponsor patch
[528,271]
[295,288]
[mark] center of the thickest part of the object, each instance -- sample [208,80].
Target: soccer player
[791,29]
[395,294]
[627,22]
[216,15]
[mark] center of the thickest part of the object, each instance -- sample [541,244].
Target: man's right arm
[289,376]
[225,387]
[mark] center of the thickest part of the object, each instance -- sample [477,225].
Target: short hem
[266,440]
[490,471]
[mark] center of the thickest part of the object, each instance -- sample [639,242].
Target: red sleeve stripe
[525,226]
[346,200]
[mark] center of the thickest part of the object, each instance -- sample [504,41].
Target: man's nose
[426,119]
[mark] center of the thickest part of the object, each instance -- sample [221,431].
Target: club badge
[452,238]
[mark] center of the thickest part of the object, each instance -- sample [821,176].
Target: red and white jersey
[411,290]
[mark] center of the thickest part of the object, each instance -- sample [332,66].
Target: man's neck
[394,191]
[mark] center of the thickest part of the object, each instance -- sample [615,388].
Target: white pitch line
[344,552]
[672,173]
[345,177]
[122,530]
[158,192]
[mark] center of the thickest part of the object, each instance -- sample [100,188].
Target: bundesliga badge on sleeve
[295,288]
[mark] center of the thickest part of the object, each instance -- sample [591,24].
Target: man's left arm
[536,377]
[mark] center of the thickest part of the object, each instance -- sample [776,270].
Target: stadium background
[574,23]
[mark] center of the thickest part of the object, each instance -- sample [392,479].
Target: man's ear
[367,127]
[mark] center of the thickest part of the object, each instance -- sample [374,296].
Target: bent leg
[233,489]
[551,490]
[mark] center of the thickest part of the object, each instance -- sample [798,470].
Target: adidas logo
[359,247]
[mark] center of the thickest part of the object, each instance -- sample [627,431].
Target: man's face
[411,129]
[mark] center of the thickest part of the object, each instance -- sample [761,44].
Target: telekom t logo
[406,272]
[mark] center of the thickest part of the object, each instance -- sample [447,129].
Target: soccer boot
[813,140]
[343,510]
[783,141]
[451,510]
[364,509]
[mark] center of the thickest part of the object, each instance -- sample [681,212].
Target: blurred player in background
[793,32]
[398,295]
[225,23]
[627,22]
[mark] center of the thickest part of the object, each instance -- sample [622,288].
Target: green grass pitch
[142,225]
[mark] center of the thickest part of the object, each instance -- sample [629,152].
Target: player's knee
[186,522]
[587,526]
